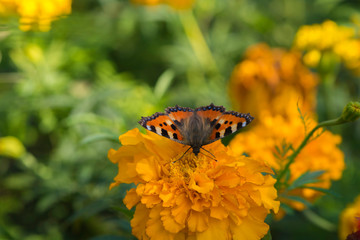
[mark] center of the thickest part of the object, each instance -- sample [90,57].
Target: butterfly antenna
[182,155]
[214,158]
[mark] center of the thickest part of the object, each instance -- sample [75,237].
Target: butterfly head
[196,150]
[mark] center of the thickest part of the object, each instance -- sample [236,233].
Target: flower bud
[351,112]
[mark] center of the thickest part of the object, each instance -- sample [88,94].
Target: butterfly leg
[182,155]
[214,158]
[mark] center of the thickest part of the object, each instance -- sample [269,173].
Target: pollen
[183,167]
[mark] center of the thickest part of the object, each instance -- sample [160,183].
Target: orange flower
[272,79]
[36,14]
[350,219]
[275,132]
[176,4]
[192,197]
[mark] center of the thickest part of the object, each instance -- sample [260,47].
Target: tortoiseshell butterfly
[196,127]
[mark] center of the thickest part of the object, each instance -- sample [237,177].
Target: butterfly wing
[228,123]
[211,112]
[178,114]
[162,125]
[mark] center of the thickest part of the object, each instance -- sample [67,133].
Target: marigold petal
[169,222]
[154,226]
[148,169]
[229,178]
[131,137]
[168,196]
[198,221]
[235,209]
[201,183]
[112,185]
[138,223]
[218,230]
[218,212]
[131,198]
[269,194]
[150,200]
[250,228]
[124,157]
[182,208]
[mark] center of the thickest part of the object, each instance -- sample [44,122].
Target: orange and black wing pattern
[228,123]
[178,114]
[162,125]
[211,112]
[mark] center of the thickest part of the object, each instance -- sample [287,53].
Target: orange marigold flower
[350,219]
[192,197]
[275,132]
[176,4]
[272,79]
[36,14]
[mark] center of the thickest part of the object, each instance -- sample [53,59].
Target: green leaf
[323,190]
[163,83]
[298,199]
[98,137]
[129,214]
[306,178]
[289,210]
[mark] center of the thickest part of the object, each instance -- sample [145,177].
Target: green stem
[292,157]
[197,41]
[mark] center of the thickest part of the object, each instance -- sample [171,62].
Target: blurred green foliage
[67,95]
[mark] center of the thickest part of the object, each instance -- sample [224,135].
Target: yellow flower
[320,154]
[350,219]
[340,43]
[349,52]
[312,58]
[272,80]
[11,147]
[176,4]
[36,14]
[312,36]
[192,197]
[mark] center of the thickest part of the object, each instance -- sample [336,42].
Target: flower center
[183,167]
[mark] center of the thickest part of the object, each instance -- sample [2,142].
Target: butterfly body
[196,127]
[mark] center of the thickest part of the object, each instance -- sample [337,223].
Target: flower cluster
[193,197]
[36,14]
[272,84]
[340,42]
[176,4]
[272,80]
[350,219]
[275,138]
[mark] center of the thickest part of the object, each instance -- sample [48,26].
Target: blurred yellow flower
[340,41]
[322,36]
[276,132]
[349,52]
[273,80]
[312,58]
[350,219]
[36,14]
[176,4]
[192,197]
[11,147]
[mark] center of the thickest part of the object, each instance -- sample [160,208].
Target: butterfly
[196,127]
